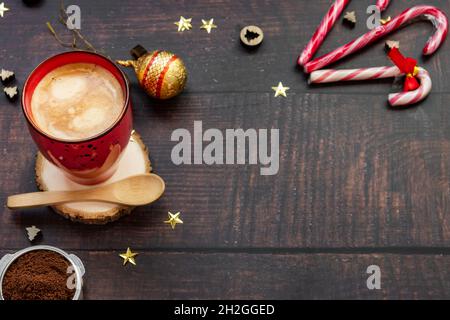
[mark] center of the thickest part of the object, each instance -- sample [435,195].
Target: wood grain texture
[358,181]
[209,275]
[340,183]
[215,59]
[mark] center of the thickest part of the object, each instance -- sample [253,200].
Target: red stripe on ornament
[163,73]
[144,78]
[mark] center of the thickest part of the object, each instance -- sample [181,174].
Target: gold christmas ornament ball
[161,74]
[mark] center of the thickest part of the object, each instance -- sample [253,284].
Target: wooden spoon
[133,191]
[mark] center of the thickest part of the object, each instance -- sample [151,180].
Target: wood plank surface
[359,182]
[212,275]
[217,62]
[340,183]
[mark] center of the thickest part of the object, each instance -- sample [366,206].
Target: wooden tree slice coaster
[135,160]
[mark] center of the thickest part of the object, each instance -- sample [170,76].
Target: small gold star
[174,219]
[3,9]
[184,24]
[128,257]
[280,90]
[384,21]
[208,25]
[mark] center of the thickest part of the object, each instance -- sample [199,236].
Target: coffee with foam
[77,101]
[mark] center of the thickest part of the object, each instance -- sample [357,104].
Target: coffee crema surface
[77,101]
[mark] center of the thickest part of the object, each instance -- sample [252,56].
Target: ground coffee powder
[37,275]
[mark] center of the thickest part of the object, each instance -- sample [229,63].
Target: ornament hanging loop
[127,63]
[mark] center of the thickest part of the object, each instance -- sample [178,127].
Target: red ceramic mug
[86,161]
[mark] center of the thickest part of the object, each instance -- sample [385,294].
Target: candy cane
[326,25]
[431,13]
[395,99]
[322,31]
[411,97]
[382,4]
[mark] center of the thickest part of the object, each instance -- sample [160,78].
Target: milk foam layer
[77,101]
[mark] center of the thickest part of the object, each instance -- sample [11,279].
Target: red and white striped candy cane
[411,97]
[326,25]
[322,31]
[395,99]
[431,13]
[383,4]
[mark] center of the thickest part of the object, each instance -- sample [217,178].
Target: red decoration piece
[408,66]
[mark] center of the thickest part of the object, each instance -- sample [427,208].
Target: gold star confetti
[384,21]
[128,257]
[184,24]
[280,90]
[3,9]
[174,219]
[208,25]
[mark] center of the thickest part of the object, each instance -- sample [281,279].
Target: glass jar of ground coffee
[41,273]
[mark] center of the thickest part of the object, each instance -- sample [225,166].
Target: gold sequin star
[184,24]
[174,219]
[280,90]
[3,9]
[208,25]
[128,257]
[384,21]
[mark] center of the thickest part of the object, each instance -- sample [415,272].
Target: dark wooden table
[359,183]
